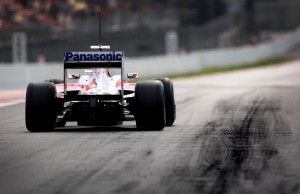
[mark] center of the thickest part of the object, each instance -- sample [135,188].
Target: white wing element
[107,47]
[100,83]
[105,84]
[84,80]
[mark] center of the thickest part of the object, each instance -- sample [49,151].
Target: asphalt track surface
[235,133]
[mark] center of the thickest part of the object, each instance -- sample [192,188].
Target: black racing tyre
[150,105]
[170,101]
[55,81]
[40,108]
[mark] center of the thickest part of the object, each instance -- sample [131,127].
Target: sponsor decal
[114,56]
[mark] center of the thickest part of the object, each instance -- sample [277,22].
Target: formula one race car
[95,97]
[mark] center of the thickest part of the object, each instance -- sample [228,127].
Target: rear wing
[98,59]
[110,59]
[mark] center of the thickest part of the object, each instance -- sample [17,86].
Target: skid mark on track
[238,148]
[127,187]
[241,150]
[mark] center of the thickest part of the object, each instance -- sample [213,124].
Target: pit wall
[17,76]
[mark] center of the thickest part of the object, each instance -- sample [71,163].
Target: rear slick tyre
[150,105]
[170,100]
[40,109]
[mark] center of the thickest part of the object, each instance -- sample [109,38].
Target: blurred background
[139,27]
[172,35]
